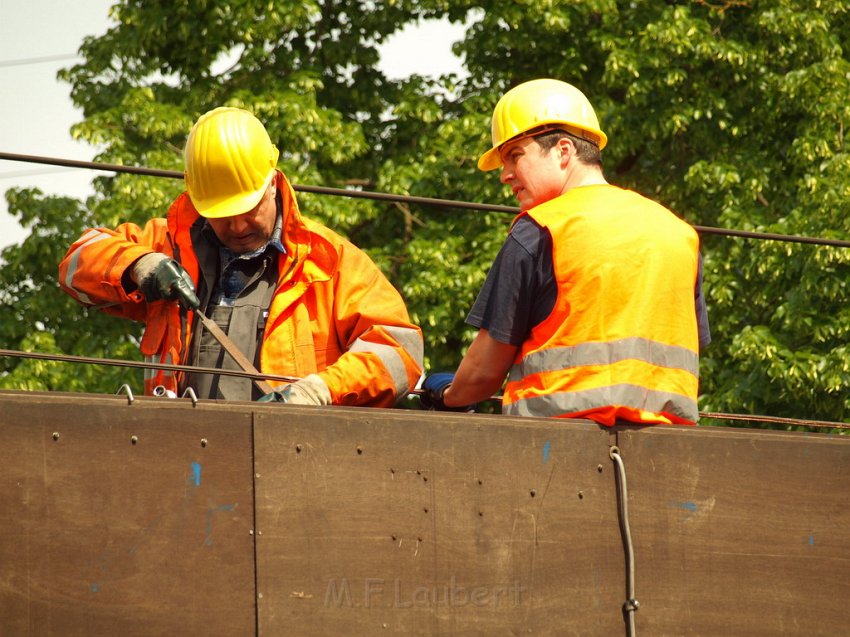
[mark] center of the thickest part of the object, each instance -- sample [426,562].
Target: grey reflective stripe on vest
[90,237]
[627,395]
[641,349]
[409,340]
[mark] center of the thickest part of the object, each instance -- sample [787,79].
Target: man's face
[250,230]
[535,175]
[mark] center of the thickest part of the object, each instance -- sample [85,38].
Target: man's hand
[433,389]
[161,277]
[279,395]
[310,390]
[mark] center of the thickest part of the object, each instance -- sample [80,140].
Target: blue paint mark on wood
[688,506]
[811,539]
[94,587]
[546,449]
[196,474]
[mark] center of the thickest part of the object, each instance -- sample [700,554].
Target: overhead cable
[382,196]
[39,60]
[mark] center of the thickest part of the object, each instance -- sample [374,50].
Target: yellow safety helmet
[538,102]
[229,162]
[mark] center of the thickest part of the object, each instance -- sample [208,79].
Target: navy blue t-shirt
[520,290]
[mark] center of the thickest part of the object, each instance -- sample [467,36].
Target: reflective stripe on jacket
[622,340]
[333,313]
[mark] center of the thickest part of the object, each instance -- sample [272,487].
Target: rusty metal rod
[779,420]
[66,358]
[90,360]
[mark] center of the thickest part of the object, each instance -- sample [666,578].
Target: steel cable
[382,196]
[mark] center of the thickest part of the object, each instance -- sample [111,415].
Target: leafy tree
[35,316]
[732,113]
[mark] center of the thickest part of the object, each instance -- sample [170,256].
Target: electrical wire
[381,196]
[39,60]
[631,604]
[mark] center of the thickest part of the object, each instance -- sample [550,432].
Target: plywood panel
[389,522]
[124,520]
[739,532]
[371,522]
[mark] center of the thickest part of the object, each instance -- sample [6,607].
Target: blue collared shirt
[237,269]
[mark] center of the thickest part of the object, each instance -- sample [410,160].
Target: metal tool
[235,353]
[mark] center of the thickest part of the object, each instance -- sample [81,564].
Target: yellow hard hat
[230,161]
[538,102]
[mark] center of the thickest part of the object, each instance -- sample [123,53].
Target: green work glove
[161,277]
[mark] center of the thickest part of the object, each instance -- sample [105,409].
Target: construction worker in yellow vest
[593,307]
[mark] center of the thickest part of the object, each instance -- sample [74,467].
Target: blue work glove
[432,392]
[161,277]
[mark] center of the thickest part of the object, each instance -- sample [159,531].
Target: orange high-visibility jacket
[333,312]
[622,341]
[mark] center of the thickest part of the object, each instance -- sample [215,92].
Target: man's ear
[567,149]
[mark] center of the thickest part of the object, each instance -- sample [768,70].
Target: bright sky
[39,37]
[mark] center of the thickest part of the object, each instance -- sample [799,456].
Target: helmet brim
[491,160]
[233,206]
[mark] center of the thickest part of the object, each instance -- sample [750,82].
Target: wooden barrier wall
[160,518]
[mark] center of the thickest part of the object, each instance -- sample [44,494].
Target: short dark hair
[586,151]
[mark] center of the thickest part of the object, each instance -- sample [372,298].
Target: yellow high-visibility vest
[622,340]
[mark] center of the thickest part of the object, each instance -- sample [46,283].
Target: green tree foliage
[732,113]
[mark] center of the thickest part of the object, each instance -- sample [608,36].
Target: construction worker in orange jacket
[594,306]
[295,297]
